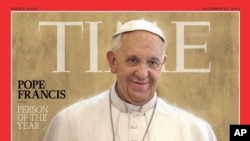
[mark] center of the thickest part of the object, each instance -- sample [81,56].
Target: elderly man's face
[138,64]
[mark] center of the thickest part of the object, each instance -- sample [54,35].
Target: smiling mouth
[138,83]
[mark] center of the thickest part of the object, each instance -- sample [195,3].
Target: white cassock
[90,120]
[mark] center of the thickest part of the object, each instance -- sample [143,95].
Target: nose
[142,71]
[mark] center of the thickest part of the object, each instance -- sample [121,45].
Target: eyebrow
[134,56]
[155,59]
[131,56]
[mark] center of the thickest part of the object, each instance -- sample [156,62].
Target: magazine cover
[58,58]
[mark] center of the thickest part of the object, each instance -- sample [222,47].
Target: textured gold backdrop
[214,95]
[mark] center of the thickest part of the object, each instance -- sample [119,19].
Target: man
[131,109]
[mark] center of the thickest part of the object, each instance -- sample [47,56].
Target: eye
[132,61]
[153,64]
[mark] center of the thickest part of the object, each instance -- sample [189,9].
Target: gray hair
[116,43]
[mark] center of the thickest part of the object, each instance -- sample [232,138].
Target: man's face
[138,64]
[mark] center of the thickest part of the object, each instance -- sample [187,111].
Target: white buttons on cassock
[135,114]
[138,126]
[134,127]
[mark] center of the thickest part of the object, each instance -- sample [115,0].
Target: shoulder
[184,123]
[87,109]
[172,111]
[87,104]
[179,115]
[66,124]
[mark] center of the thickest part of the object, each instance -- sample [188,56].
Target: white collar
[127,107]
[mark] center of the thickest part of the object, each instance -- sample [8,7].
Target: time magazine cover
[59,58]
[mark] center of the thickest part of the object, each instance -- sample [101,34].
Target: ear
[112,61]
[164,59]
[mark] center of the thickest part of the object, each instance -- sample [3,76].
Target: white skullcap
[140,25]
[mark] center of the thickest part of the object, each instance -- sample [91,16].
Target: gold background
[212,96]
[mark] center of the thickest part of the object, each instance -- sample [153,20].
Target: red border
[113,5]
[74,5]
[244,68]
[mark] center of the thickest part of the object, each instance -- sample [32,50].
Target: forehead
[141,35]
[141,41]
